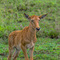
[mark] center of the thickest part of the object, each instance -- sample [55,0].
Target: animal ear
[42,16]
[27,16]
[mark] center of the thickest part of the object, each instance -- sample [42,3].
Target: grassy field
[45,49]
[48,38]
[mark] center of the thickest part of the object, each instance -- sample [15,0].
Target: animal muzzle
[37,29]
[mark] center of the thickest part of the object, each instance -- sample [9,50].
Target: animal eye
[32,20]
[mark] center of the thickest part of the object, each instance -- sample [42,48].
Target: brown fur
[24,39]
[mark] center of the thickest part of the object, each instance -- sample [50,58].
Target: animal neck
[32,30]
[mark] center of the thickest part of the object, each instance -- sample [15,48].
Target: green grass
[45,49]
[12,18]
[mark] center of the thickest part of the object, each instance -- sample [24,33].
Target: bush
[53,34]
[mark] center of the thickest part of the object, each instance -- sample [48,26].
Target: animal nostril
[37,28]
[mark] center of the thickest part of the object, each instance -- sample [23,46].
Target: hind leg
[10,53]
[16,53]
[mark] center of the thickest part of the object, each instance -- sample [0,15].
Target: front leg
[31,53]
[25,52]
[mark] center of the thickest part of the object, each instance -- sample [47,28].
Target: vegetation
[45,49]
[12,18]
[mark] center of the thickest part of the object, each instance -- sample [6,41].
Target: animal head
[34,20]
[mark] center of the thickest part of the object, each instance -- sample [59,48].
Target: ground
[45,49]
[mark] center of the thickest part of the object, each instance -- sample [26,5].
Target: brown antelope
[25,38]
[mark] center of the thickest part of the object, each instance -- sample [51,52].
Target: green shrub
[53,34]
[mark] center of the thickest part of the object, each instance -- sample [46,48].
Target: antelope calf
[25,38]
